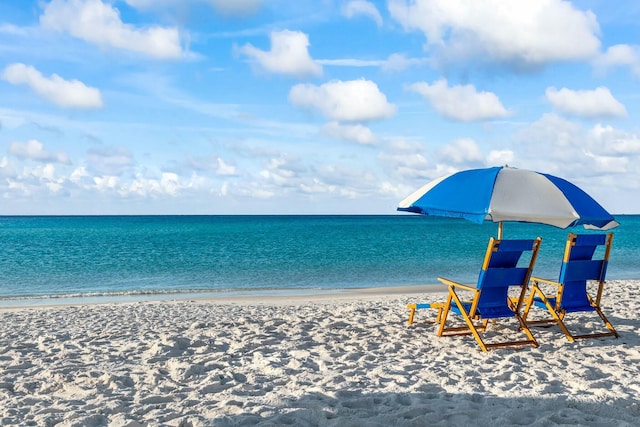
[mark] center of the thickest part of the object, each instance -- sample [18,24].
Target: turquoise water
[151,255]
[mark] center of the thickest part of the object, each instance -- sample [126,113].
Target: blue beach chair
[498,293]
[583,262]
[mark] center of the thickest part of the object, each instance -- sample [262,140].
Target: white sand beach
[331,360]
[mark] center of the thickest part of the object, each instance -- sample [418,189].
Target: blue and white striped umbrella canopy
[509,194]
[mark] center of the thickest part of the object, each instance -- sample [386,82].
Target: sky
[309,106]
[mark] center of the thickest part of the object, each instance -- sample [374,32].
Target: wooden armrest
[546,281]
[456,284]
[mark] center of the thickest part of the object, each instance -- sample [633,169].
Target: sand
[331,360]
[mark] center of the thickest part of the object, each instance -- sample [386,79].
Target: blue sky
[309,106]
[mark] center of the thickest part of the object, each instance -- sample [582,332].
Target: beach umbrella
[505,193]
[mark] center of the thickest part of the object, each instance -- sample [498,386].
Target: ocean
[102,258]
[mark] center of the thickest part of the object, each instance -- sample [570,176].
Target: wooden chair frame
[554,304]
[475,322]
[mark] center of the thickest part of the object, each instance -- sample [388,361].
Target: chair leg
[475,325]
[443,316]
[607,323]
[555,317]
[559,320]
[412,312]
[468,320]
[603,317]
[528,303]
[609,326]
[526,330]
[440,308]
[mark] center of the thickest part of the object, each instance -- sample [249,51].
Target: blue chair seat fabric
[499,278]
[585,260]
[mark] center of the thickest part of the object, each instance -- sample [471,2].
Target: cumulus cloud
[362,8]
[65,93]
[597,103]
[340,180]
[462,102]
[99,23]
[168,184]
[521,34]
[289,55]
[406,164]
[353,100]
[80,176]
[555,136]
[283,172]
[45,174]
[575,153]
[614,142]
[620,55]
[463,151]
[34,150]
[356,133]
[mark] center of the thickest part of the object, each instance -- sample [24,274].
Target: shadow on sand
[434,407]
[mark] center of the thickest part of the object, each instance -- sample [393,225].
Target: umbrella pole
[500,230]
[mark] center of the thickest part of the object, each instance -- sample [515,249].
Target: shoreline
[231,296]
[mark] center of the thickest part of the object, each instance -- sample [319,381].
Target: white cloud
[353,100]
[395,62]
[65,93]
[620,55]
[400,62]
[346,178]
[607,164]
[168,184]
[406,164]
[80,176]
[462,102]
[522,34]
[6,168]
[364,8]
[34,150]
[148,187]
[356,133]
[224,168]
[597,103]
[558,138]
[614,142]
[46,172]
[282,172]
[583,156]
[500,157]
[288,55]
[106,183]
[463,151]
[99,23]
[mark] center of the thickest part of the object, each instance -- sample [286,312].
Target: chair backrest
[579,265]
[501,270]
